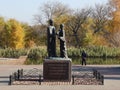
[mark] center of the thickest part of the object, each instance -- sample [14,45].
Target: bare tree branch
[101,16]
[51,10]
[75,23]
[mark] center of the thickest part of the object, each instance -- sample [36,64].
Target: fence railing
[98,76]
[19,76]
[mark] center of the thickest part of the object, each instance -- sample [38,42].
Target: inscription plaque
[57,69]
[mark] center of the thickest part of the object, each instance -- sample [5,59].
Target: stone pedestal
[57,69]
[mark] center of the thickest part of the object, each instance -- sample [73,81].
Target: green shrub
[36,55]
[12,53]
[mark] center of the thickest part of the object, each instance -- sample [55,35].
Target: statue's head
[51,22]
[61,26]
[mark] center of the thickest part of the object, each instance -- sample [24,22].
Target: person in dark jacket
[83,56]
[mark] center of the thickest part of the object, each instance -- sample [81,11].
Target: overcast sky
[23,10]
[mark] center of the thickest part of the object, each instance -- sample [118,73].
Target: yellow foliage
[94,39]
[62,19]
[117,3]
[99,40]
[116,16]
[30,43]
[2,23]
[15,34]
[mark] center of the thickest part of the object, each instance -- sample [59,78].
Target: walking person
[83,56]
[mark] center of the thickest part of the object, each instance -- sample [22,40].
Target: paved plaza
[111,78]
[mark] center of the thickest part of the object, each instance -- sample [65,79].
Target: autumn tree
[34,35]
[28,41]
[40,38]
[75,24]
[116,15]
[2,24]
[114,27]
[13,34]
[100,15]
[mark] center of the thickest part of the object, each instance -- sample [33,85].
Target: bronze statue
[61,37]
[51,39]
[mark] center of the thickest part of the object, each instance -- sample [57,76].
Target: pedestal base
[57,69]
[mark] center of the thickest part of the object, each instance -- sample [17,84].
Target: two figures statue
[51,40]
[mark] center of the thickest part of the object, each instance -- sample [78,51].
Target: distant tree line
[98,26]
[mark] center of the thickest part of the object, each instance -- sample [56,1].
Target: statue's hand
[63,39]
[57,33]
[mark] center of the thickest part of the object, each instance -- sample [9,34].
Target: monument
[56,68]
[51,40]
[61,37]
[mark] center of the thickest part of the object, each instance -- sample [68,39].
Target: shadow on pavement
[115,78]
[4,80]
[108,72]
[4,77]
